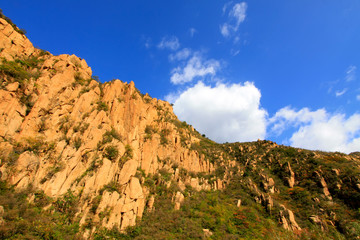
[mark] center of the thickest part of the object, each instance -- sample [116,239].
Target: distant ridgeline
[84,160]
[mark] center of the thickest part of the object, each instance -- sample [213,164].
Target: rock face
[13,43]
[60,130]
[287,219]
[179,198]
[324,186]
[1,215]
[291,178]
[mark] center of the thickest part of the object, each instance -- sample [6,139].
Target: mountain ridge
[106,156]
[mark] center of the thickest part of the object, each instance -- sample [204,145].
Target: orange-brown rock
[80,135]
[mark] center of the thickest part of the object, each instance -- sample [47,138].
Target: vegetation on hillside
[217,211]
[24,216]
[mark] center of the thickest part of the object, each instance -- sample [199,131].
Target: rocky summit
[80,159]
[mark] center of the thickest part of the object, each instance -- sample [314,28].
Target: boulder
[127,171]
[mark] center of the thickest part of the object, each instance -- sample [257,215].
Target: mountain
[82,159]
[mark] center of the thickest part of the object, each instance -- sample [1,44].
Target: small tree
[111,152]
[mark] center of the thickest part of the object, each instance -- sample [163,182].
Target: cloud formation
[286,117]
[236,16]
[224,112]
[340,93]
[319,130]
[169,42]
[350,73]
[195,67]
[183,54]
[345,85]
[192,31]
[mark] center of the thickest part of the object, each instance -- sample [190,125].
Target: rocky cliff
[120,154]
[63,131]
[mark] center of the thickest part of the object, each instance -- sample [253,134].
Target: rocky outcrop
[291,178]
[1,215]
[324,186]
[268,183]
[287,219]
[122,208]
[64,131]
[12,43]
[207,233]
[316,220]
[178,199]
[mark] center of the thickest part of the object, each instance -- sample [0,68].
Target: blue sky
[286,71]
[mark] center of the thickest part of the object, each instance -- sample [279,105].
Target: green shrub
[110,187]
[163,136]
[109,135]
[52,171]
[67,203]
[102,106]
[77,143]
[86,115]
[35,145]
[111,152]
[95,203]
[21,69]
[165,174]
[26,100]
[64,124]
[40,199]
[11,159]
[147,99]
[220,172]
[149,131]
[14,70]
[25,220]
[128,154]
[76,128]
[96,78]
[84,127]
[95,164]
[134,96]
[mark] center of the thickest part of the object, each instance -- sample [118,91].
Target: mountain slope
[94,159]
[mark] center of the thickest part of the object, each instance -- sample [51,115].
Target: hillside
[84,159]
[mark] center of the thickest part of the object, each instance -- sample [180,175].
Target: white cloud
[192,31]
[345,84]
[195,67]
[286,117]
[224,29]
[234,52]
[239,13]
[183,54]
[319,130]
[340,93]
[358,97]
[224,112]
[171,43]
[350,73]
[236,16]
[225,7]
